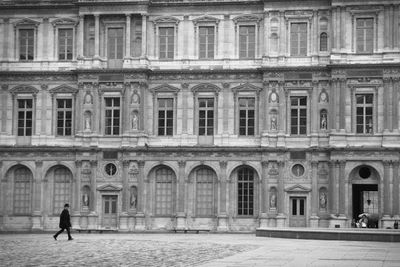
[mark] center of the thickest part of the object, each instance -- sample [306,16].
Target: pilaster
[128,36]
[81,36]
[396,193]
[125,188]
[93,183]
[387,165]
[144,36]
[222,216]
[37,214]
[96,36]
[342,191]
[141,199]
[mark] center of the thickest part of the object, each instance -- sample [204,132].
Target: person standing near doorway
[65,223]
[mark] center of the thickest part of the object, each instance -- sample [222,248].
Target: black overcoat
[65,221]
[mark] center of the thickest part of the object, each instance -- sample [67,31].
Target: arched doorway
[365,194]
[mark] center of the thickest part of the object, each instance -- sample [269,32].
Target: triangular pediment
[63,89]
[206,87]
[24,89]
[166,20]
[109,187]
[206,19]
[298,189]
[27,22]
[64,21]
[246,87]
[246,18]
[164,88]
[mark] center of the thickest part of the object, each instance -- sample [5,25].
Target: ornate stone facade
[223,115]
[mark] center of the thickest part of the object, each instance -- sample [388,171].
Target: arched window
[245,187]
[62,189]
[205,181]
[22,191]
[163,192]
[323,42]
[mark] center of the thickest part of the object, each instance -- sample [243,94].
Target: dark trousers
[62,230]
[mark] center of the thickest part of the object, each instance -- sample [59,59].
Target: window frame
[360,15]
[63,24]
[364,43]
[20,93]
[373,90]
[162,92]
[173,191]
[255,183]
[113,108]
[205,21]
[289,43]
[247,20]
[114,25]
[213,195]
[29,212]
[56,210]
[165,22]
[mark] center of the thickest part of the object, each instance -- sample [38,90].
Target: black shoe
[70,239]
[55,237]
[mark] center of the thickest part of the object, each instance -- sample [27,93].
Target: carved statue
[87,122]
[322,200]
[323,98]
[85,200]
[133,198]
[135,121]
[323,122]
[273,97]
[273,122]
[272,200]
[135,98]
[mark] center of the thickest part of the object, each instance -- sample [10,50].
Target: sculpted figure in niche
[85,199]
[323,121]
[87,121]
[273,122]
[273,97]
[133,198]
[88,98]
[322,200]
[135,121]
[272,200]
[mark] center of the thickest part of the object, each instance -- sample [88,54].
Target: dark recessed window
[111,169]
[298,170]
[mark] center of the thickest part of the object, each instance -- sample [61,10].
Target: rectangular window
[364,113]
[26,44]
[91,39]
[206,42]
[65,44]
[112,115]
[245,192]
[246,116]
[22,194]
[166,35]
[365,35]
[247,41]
[298,39]
[165,116]
[64,117]
[115,43]
[206,116]
[25,111]
[298,115]
[205,192]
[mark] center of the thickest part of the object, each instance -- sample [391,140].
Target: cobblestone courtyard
[189,250]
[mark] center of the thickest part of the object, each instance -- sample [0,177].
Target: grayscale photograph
[199,133]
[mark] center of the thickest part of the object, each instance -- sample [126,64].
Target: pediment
[246,87]
[63,89]
[164,88]
[298,189]
[64,21]
[246,18]
[166,20]
[27,22]
[24,89]
[206,87]
[109,187]
[205,19]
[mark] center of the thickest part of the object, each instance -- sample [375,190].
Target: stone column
[81,36]
[36,192]
[96,35]
[395,103]
[280,218]
[333,187]
[342,195]
[314,219]
[6,38]
[222,216]
[43,108]
[123,218]
[77,199]
[128,36]
[3,103]
[184,92]
[264,195]
[45,47]
[396,193]
[342,99]
[386,81]
[180,212]
[386,188]
[141,198]
[93,164]
[144,36]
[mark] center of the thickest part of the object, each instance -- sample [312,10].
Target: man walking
[65,223]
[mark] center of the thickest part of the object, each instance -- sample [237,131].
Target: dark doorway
[366,200]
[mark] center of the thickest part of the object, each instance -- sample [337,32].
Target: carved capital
[264,163]
[39,163]
[125,163]
[314,163]
[223,164]
[185,86]
[93,163]
[226,85]
[78,163]
[182,163]
[141,163]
